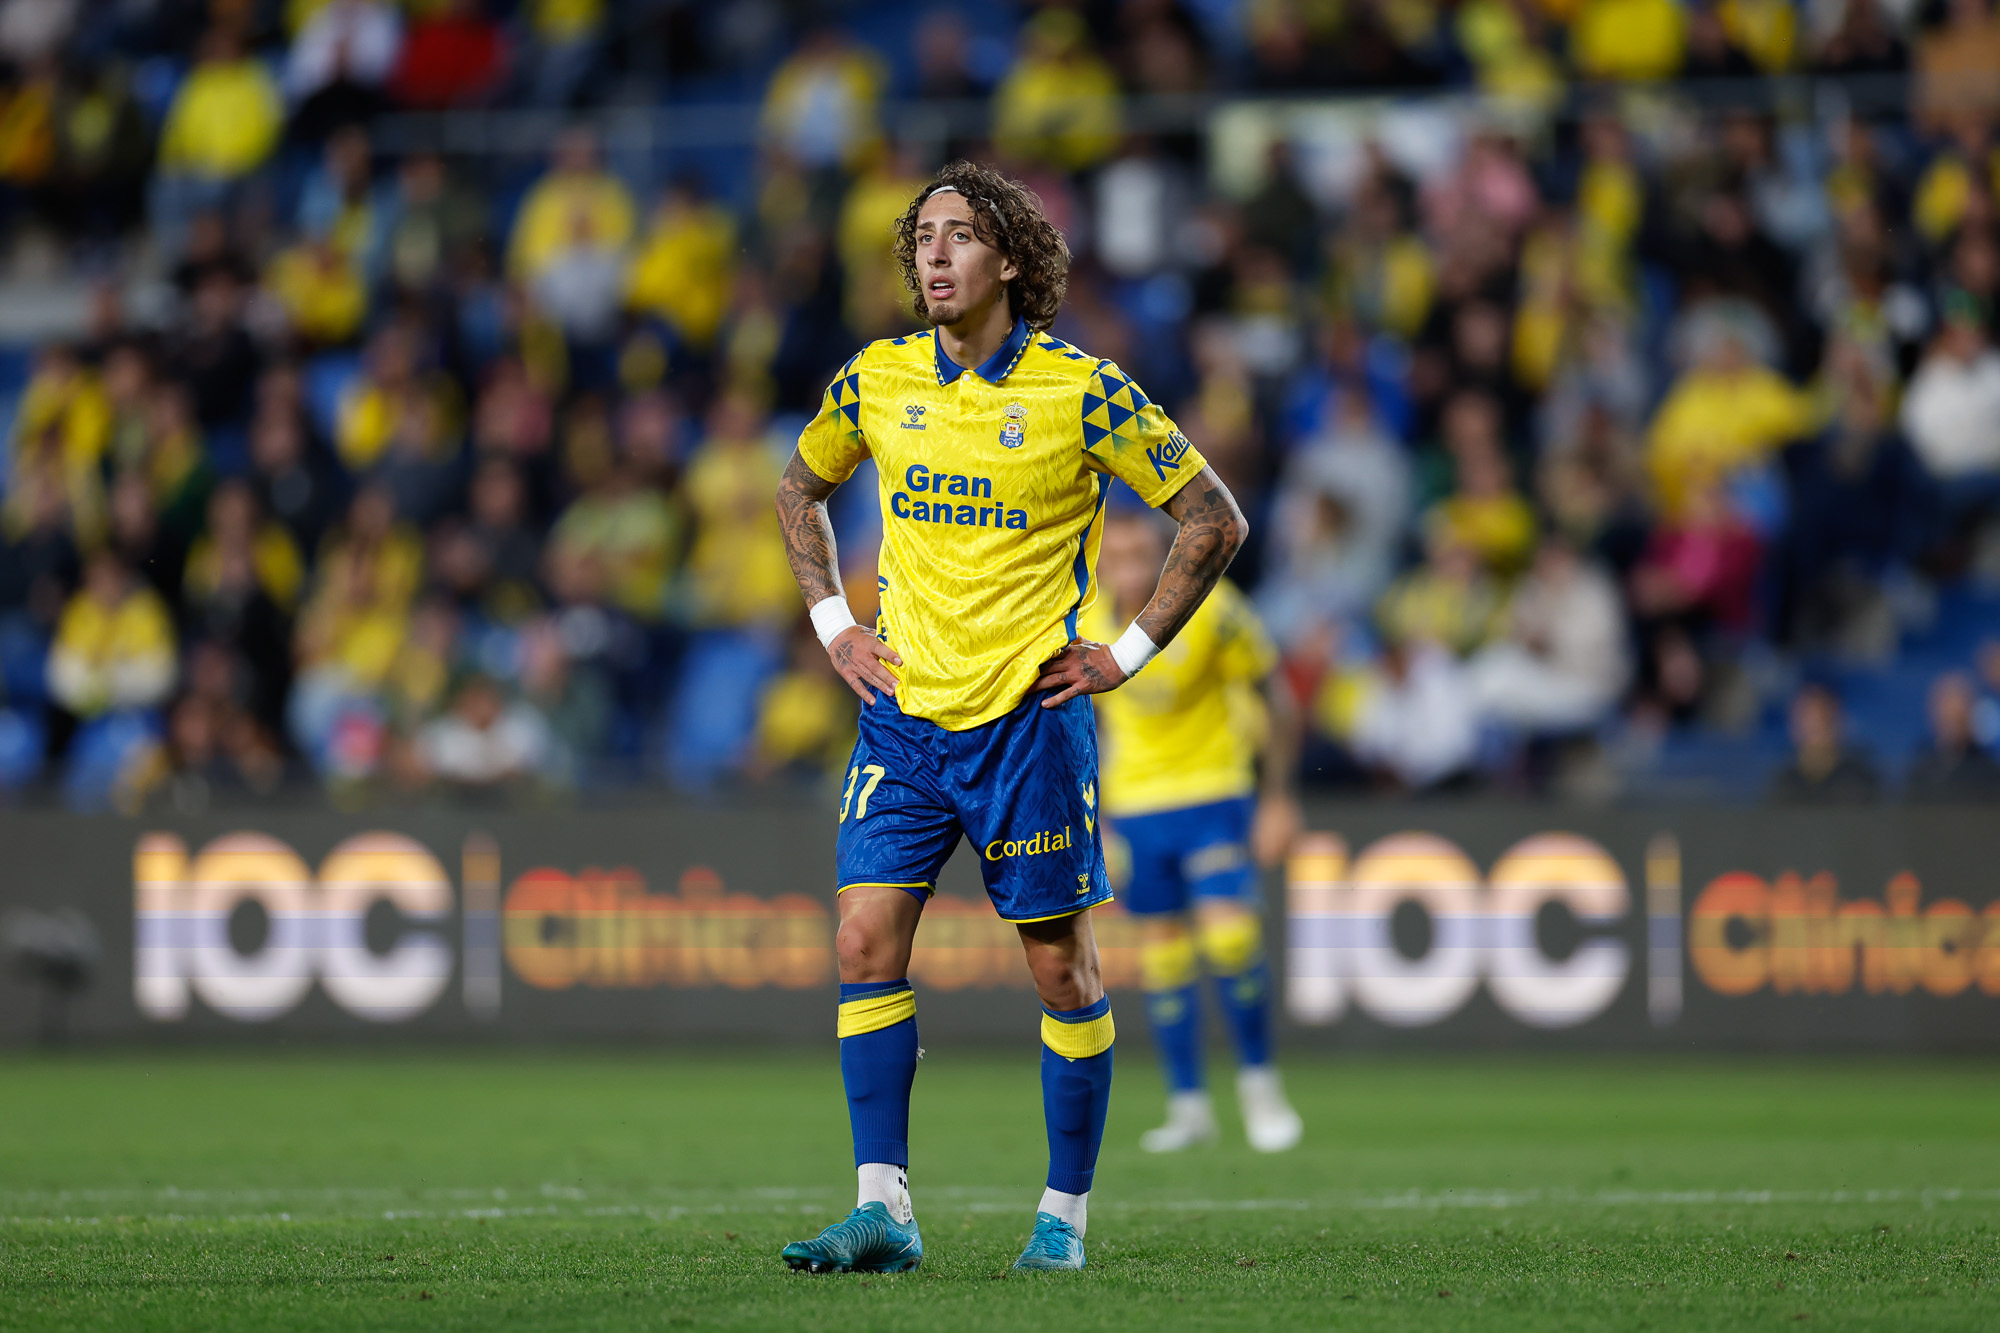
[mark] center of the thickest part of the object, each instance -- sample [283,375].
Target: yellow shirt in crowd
[224,121]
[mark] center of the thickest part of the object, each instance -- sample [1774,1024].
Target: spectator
[823,104]
[114,647]
[452,55]
[221,128]
[1695,584]
[427,224]
[1417,721]
[485,741]
[1344,502]
[395,394]
[737,569]
[1954,769]
[576,701]
[1059,104]
[338,63]
[805,721]
[1628,39]
[737,596]
[577,203]
[1955,64]
[508,547]
[566,46]
[686,267]
[294,480]
[1861,510]
[623,539]
[1562,665]
[1728,412]
[103,146]
[1449,599]
[1951,410]
[1483,514]
[1824,769]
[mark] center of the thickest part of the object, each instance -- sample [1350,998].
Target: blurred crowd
[1582,393]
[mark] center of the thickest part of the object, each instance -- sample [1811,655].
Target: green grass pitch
[653,1190]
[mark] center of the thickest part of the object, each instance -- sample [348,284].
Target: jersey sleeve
[1242,644]
[832,443]
[1130,437]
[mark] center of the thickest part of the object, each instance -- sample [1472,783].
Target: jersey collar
[995,368]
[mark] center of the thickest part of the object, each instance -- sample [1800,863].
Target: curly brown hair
[1007,216]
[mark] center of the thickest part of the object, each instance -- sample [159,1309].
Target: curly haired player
[995,444]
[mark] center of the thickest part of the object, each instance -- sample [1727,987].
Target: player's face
[1129,564]
[961,275]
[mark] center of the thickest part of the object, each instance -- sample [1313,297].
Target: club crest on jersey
[1012,436]
[916,414]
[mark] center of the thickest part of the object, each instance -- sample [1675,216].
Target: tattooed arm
[857,654]
[1212,530]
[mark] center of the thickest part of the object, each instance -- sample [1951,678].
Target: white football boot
[1190,1120]
[1269,1121]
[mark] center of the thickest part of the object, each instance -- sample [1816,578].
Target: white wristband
[1133,650]
[830,616]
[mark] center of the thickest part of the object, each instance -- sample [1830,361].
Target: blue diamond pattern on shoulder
[1094,435]
[1119,415]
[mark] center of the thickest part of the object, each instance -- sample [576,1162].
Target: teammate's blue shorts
[1022,788]
[1201,851]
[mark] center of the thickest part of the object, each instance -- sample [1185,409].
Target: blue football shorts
[1022,788]
[1200,851]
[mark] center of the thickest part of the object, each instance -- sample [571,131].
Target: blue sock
[878,1062]
[1076,1090]
[1175,1016]
[1172,976]
[1246,1004]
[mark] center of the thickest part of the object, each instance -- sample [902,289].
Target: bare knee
[1064,966]
[864,948]
[877,927]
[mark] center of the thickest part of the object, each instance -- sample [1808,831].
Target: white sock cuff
[1071,1208]
[887,1184]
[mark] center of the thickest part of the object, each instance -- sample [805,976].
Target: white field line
[169,1204]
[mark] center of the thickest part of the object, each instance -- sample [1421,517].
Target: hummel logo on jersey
[916,421]
[1167,456]
[1082,885]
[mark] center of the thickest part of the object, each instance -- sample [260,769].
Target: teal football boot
[1055,1246]
[869,1241]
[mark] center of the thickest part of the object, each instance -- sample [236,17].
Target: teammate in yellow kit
[1180,787]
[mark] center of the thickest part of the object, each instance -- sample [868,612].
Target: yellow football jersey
[1176,734]
[992,485]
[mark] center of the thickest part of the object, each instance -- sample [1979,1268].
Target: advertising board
[1392,926]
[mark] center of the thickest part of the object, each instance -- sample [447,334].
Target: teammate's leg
[1171,972]
[1230,937]
[1077,1035]
[1156,894]
[1229,934]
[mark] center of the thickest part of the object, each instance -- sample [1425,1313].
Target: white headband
[999,223]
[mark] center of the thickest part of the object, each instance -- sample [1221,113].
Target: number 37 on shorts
[1021,788]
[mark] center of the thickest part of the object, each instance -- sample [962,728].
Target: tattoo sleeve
[1212,530]
[808,532]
